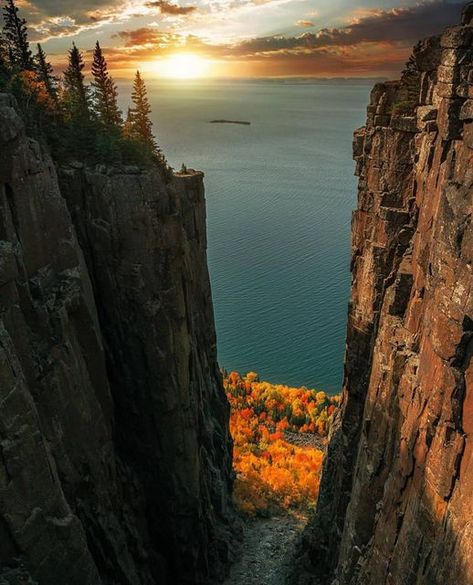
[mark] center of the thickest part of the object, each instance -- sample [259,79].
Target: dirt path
[268,548]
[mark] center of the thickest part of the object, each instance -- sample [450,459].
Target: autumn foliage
[272,471]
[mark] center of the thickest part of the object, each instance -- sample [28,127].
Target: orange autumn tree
[272,472]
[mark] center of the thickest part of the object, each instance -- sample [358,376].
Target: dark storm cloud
[169,8]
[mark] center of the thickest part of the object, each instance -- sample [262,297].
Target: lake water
[279,197]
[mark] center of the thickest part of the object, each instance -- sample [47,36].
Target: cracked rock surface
[396,499]
[115,455]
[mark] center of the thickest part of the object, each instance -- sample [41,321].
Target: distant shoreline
[243,122]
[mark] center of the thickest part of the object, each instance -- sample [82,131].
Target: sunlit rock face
[115,456]
[396,500]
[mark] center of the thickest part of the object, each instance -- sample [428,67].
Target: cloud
[373,41]
[80,12]
[403,25]
[305,23]
[399,26]
[148,38]
[166,7]
[52,19]
[396,24]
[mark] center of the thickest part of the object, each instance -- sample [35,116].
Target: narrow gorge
[115,448]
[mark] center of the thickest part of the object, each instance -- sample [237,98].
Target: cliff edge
[115,455]
[396,498]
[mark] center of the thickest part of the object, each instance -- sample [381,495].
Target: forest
[75,119]
[275,470]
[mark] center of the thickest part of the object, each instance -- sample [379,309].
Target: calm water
[279,197]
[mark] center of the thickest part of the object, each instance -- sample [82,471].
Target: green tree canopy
[105,94]
[46,75]
[16,37]
[138,117]
[75,91]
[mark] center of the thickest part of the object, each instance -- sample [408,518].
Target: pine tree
[3,49]
[408,94]
[46,75]
[3,61]
[128,124]
[16,36]
[80,130]
[139,116]
[105,94]
[75,92]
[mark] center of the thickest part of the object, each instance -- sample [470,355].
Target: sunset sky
[232,38]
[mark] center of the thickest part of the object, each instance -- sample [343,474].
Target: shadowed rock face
[396,500]
[115,457]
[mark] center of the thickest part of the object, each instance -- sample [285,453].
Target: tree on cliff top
[75,124]
[138,122]
[76,97]
[3,61]
[128,124]
[45,74]
[105,94]
[3,48]
[409,87]
[411,74]
[16,36]
[80,135]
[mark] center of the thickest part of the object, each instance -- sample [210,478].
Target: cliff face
[396,501]
[115,457]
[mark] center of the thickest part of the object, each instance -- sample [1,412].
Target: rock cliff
[396,500]
[115,456]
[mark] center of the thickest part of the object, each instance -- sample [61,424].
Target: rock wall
[396,500]
[115,456]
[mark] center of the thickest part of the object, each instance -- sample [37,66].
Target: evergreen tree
[410,75]
[128,124]
[3,61]
[76,99]
[105,94]
[16,36]
[3,49]
[80,133]
[407,97]
[46,75]
[139,116]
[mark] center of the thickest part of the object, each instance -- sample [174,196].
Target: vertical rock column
[60,504]
[396,500]
[145,247]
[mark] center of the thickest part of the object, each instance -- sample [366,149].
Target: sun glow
[183,66]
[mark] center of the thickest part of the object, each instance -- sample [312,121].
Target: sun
[183,66]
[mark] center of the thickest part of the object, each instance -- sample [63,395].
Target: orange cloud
[377,43]
[305,23]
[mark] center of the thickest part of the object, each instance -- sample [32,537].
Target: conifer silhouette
[16,37]
[105,94]
[138,116]
[75,92]
[45,74]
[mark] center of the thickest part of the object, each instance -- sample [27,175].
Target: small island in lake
[230,122]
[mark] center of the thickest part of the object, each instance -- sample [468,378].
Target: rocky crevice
[396,497]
